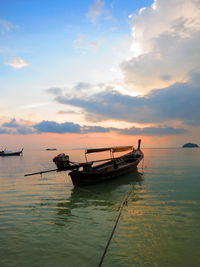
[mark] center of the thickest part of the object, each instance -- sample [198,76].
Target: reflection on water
[101,196]
[45,221]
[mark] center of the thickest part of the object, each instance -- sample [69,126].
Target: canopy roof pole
[114,149]
[111,154]
[111,149]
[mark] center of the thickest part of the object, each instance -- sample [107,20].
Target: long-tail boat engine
[63,163]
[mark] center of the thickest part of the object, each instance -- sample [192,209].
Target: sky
[91,73]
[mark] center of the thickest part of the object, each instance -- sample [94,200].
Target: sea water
[46,221]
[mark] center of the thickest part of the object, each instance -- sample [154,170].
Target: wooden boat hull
[81,178]
[7,154]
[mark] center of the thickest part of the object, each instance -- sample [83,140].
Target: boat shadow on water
[109,187]
[103,196]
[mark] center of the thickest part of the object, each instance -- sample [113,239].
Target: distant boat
[10,153]
[51,149]
[84,173]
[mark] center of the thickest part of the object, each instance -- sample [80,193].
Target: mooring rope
[124,203]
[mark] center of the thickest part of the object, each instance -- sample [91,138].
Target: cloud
[153,131]
[11,124]
[63,112]
[80,89]
[179,101]
[95,10]
[97,129]
[165,44]
[105,105]
[82,86]
[5,26]
[54,127]
[82,42]
[17,63]
[6,131]
[54,91]
[35,105]
[15,127]
[24,128]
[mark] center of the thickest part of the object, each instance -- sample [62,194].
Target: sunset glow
[100,74]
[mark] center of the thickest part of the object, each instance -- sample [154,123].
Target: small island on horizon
[190,145]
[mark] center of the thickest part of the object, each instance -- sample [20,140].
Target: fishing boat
[88,173]
[10,153]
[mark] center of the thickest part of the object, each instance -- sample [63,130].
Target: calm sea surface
[45,221]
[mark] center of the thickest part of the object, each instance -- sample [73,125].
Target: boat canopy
[112,149]
[121,149]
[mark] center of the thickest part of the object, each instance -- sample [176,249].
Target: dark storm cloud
[176,102]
